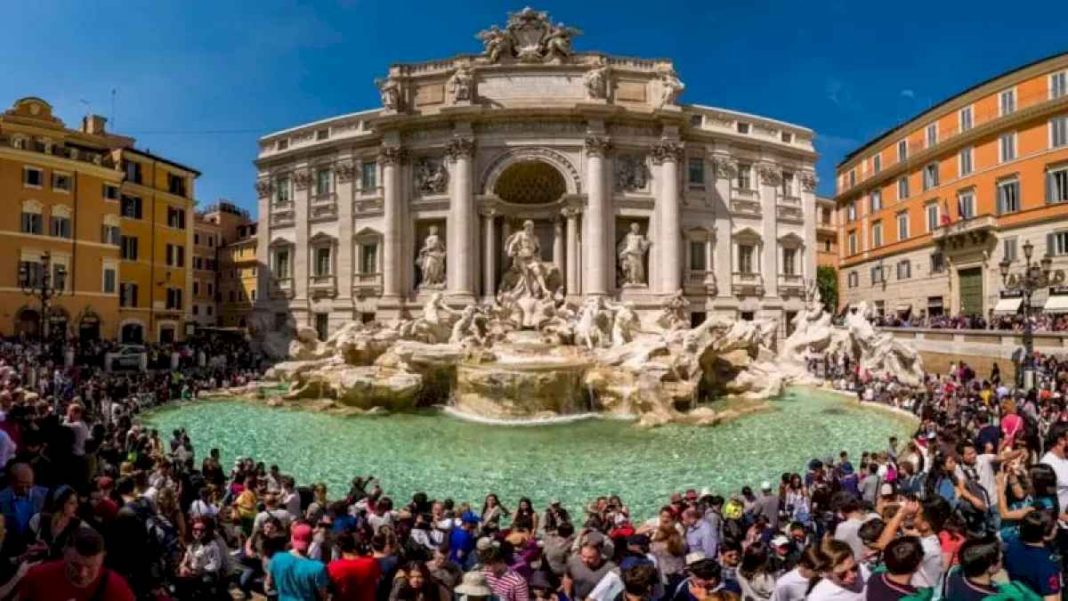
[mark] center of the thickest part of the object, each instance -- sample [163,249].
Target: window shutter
[1049,187]
[1050,248]
[1001,200]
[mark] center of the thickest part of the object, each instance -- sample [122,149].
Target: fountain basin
[522,389]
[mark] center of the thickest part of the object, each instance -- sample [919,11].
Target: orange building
[927,211]
[109,218]
[233,248]
[826,233]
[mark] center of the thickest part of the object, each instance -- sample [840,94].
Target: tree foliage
[827,281]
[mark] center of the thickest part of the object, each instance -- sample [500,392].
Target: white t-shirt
[792,586]
[1060,467]
[930,570]
[81,434]
[984,468]
[827,590]
[849,533]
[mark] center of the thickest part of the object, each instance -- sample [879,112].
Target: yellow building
[207,236]
[111,220]
[238,269]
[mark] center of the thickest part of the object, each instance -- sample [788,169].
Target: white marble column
[558,246]
[390,158]
[669,236]
[572,271]
[709,269]
[596,219]
[489,253]
[461,225]
[343,180]
[299,179]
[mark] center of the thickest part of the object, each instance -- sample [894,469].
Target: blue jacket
[37,496]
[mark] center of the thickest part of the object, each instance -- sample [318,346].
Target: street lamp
[39,281]
[1035,276]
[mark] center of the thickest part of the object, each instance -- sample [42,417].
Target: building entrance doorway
[971,291]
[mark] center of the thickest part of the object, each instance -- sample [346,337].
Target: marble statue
[631,252]
[558,43]
[594,326]
[530,36]
[496,43]
[432,260]
[596,81]
[524,249]
[389,91]
[469,329]
[670,87]
[673,315]
[462,84]
[625,323]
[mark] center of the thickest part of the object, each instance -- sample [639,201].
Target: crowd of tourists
[97,506]
[1040,322]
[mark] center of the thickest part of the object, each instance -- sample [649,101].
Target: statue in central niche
[529,285]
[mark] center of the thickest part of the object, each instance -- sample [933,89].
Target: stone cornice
[60,163]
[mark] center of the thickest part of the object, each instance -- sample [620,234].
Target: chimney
[93,124]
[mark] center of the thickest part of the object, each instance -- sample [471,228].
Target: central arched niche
[530,183]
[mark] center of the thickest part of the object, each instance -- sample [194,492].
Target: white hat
[706,491]
[886,489]
[474,585]
[765,485]
[692,558]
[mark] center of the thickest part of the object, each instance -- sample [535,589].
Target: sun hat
[301,537]
[474,585]
[780,541]
[765,485]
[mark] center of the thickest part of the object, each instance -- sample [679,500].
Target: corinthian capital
[667,150]
[597,145]
[460,147]
[392,155]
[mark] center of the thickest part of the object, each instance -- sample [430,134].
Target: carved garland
[667,150]
[392,155]
[769,175]
[346,170]
[724,167]
[302,179]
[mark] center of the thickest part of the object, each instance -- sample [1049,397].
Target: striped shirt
[509,586]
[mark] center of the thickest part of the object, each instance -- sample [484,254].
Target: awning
[1007,306]
[1057,303]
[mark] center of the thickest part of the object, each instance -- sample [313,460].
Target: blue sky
[199,81]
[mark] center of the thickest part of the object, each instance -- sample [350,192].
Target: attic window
[743,127]
[283,144]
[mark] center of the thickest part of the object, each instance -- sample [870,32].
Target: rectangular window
[965,161]
[110,234]
[853,279]
[877,163]
[930,176]
[966,205]
[132,169]
[196,288]
[174,299]
[282,144]
[743,127]
[852,178]
[176,218]
[902,151]
[903,225]
[59,227]
[876,275]
[1007,147]
[745,176]
[176,184]
[281,190]
[368,258]
[110,278]
[787,137]
[932,216]
[745,258]
[1058,131]
[789,261]
[696,171]
[322,182]
[1009,249]
[904,270]
[32,223]
[322,261]
[61,182]
[1057,185]
[788,184]
[697,256]
[903,188]
[938,262]
[851,211]
[369,172]
[852,243]
[1008,196]
[32,177]
[932,135]
[281,264]
[322,325]
[131,207]
[876,201]
[111,192]
[1058,242]
[322,134]
[876,234]
[1058,85]
[127,295]
[966,118]
[1007,103]
[30,273]
[129,247]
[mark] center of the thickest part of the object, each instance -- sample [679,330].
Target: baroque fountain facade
[536,230]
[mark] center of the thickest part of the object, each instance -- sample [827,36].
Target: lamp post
[39,281]
[1035,276]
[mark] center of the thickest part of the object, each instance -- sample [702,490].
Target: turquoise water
[574,462]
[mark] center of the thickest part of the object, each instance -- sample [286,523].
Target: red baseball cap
[300,537]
